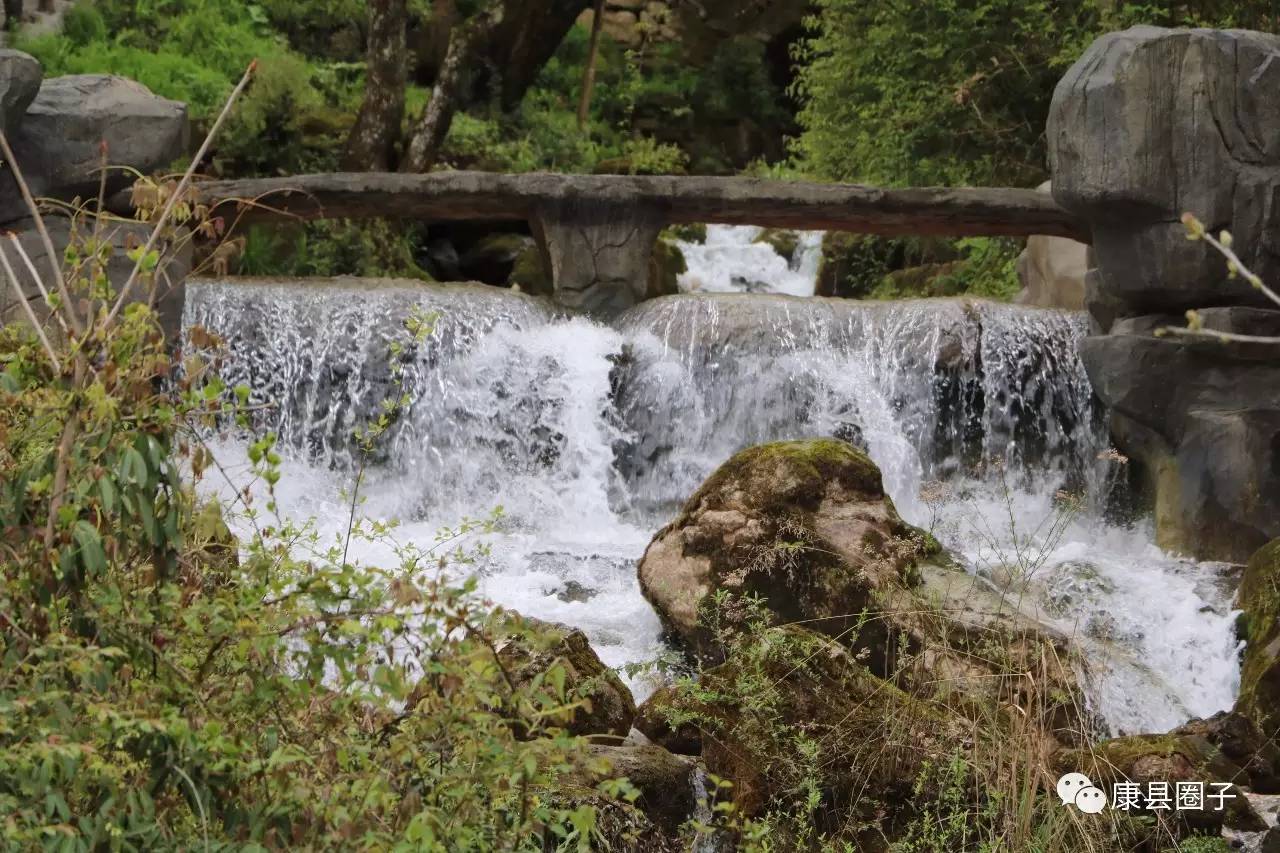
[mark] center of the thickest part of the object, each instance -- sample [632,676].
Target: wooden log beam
[444,196]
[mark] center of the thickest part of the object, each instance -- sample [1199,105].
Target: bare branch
[35,276]
[31,315]
[30,202]
[180,191]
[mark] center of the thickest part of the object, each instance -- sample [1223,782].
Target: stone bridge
[597,231]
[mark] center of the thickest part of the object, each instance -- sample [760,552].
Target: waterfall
[590,436]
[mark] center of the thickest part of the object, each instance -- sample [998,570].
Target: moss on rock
[1260,674]
[783,242]
[666,264]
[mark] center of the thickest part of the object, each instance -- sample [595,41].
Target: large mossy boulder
[1260,676]
[804,525]
[605,707]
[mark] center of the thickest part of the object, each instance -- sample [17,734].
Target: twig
[31,315]
[30,202]
[1208,334]
[31,268]
[1197,231]
[178,193]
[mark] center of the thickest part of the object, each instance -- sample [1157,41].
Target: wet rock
[1202,419]
[1260,675]
[1241,741]
[20,76]
[532,646]
[783,242]
[666,264]
[806,527]
[59,136]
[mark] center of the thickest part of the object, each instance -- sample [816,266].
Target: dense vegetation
[164,686]
[951,92]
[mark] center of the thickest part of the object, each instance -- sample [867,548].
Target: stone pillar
[597,251]
[1149,124]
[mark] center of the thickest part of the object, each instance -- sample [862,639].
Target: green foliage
[373,248]
[295,116]
[163,687]
[956,91]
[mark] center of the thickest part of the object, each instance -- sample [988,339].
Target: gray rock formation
[1052,270]
[167,295]
[1151,123]
[58,142]
[20,76]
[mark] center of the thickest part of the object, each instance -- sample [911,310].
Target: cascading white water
[590,437]
[730,260]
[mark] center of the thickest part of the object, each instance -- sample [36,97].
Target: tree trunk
[464,41]
[372,143]
[589,73]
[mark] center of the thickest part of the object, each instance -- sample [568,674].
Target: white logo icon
[1075,788]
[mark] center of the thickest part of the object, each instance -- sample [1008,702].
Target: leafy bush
[165,687]
[956,91]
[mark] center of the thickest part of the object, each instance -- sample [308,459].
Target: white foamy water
[591,436]
[731,260]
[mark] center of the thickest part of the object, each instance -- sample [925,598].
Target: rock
[871,739]
[532,646]
[58,141]
[668,796]
[20,76]
[657,720]
[1052,271]
[688,232]
[782,242]
[530,273]
[493,258]
[1168,758]
[1202,420]
[805,525]
[1271,841]
[597,251]
[666,264]
[170,288]
[1212,99]
[1242,742]
[1259,598]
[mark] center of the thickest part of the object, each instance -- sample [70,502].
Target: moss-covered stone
[531,647]
[529,273]
[689,232]
[660,719]
[1168,758]
[1260,674]
[666,264]
[869,740]
[783,242]
[804,525]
